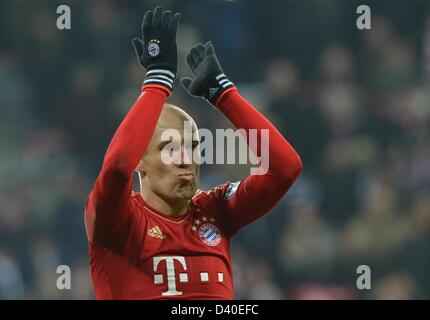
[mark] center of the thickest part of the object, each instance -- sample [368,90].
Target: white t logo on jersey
[171,277]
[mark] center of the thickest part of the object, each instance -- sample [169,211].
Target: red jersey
[137,252]
[185,257]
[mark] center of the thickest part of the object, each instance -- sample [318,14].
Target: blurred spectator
[11,282]
[307,245]
[396,286]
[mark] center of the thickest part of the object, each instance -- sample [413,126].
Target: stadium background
[355,104]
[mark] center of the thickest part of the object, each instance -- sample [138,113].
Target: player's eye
[176,146]
[195,144]
[163,144]
[170,145]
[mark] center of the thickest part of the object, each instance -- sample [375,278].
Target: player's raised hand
[209,80]
[157,50]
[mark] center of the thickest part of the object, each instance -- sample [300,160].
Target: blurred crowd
[354,104]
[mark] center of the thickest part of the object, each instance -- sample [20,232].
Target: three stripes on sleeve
[160,77]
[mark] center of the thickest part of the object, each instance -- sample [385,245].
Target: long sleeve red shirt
[137,252]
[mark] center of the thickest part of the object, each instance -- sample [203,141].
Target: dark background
[355,105]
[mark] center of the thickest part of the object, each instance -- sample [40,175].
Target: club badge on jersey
[207,231]
[209,234]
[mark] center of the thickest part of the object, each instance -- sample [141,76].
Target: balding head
[173,117]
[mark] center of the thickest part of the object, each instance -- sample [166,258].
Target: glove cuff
[160,78]
[217,87]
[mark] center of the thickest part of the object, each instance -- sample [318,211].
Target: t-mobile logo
[171,277]
[183,276]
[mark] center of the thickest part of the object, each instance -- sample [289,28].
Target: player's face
[172,181]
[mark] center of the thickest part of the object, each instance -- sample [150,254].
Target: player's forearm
[284,163]
[258,194]
[134,133]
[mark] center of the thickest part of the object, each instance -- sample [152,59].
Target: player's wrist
[159,90]
[162,78]
[220,103]
[216,87]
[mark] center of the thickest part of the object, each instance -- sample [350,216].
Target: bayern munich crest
[154,48]
[209,234]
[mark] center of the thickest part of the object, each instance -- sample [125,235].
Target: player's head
[171,181]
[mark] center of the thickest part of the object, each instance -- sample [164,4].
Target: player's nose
[186,157]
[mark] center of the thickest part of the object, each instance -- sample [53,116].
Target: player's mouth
[186,175]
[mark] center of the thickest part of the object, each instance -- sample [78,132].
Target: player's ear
[141,168]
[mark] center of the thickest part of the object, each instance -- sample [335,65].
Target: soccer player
[170,240]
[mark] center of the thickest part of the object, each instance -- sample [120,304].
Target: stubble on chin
[187,191]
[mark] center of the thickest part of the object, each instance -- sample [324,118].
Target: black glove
[209,80]
[157,50]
